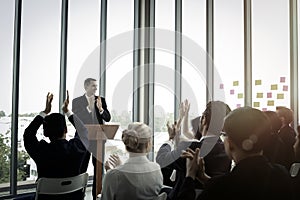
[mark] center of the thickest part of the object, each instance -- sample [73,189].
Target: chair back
[52,188]
[162,196]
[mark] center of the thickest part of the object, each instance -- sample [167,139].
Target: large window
[193,48]
[164,67]
[39,70]
[83,50]
[229,52]
[119,69]
[270,53]
[6,63]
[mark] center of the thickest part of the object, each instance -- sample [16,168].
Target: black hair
[54,125]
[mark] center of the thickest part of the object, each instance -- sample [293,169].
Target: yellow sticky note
[240,95]
[257,82]
[280,96]
[259,95]
[235,83]
[274,87]
[256,104]
[270,103]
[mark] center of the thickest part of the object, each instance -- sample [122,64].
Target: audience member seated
[295,167]
[253,177]
[60,158]
[274,148]
[216,160]
[137,178]
[286,132]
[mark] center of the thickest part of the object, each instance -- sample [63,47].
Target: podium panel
[97,135]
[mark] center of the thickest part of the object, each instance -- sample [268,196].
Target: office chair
[62,188]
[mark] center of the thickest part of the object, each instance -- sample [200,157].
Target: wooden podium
[98,134]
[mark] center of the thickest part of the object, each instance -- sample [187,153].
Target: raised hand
[172,130]
[99,104]
[66,104]
[49,99]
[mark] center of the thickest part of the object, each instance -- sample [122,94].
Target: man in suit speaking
[91,109]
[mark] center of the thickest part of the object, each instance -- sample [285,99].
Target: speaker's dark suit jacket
[79,107]
[60,158]
[252,178]
[215,158]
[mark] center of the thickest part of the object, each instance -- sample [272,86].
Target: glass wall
[194,55]
[119,69]
[270,54]
[6,66]
[164,67]
[39,71]
[40,63]
[229,52]
[83,52]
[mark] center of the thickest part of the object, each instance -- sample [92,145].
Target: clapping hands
[195,167]
[49,99]
[112,162]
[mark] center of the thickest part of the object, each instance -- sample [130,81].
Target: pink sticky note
[221,86]
[285,88]
[231,91]
[269,95]
[238,105]
[282,79]
[264,109]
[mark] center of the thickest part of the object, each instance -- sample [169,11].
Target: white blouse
[137,178]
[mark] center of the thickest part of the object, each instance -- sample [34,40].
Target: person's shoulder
[78,99]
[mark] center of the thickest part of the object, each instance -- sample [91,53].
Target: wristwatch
[294,169]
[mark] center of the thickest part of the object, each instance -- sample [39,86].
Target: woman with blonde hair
[137,178]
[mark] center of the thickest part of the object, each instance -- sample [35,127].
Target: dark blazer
[252,178]
[60,158]
[79,107]
[215,158]
[288,136]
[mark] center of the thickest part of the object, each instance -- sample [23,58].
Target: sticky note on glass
[257,82]
[270,103]
[231,91]
[285,88]
[282,79]
[264,109]
[274,87]
[256,104]
[240,95]
[221,86]
[280,96]
[259,95]
[235,83]
[238,105]
[269,95]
